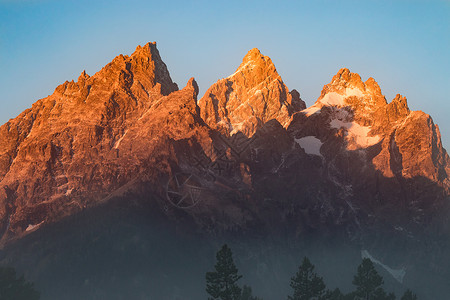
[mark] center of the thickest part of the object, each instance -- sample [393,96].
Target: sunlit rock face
[407,143]
[248,151]
[90,138]
[250,97]
[247,159]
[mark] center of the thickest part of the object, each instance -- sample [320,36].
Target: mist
[127,250]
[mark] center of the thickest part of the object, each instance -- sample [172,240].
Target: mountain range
[247,160]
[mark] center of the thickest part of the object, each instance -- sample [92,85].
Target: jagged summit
[83,76]
[147,66]
[256,65]
[146,49]
[129,121]
[357,113]
[244,158]
[349,84]
[142,74]
[83,124]
[250,97]
[347,90]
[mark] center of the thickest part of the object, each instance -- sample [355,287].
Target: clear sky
[404,45]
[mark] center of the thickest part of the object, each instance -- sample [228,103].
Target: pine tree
[13,288]
[368,283]
[306,284]
[409,295]
[221,283]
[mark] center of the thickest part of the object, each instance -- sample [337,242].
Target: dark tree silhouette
[306,284]
[368,283]
[409,295]
[13,288]
[222,283]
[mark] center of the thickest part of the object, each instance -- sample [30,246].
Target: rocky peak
[400,101]
[348,100]
[256,68]
[193,85]
[148,67]
[408,142]
[347,89]
[83,77]
[346,78]
[397,108]
[71,135]
[250,97]
[117,132]
[143,74]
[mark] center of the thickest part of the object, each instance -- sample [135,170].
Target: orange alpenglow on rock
[75,141]
[128,129]
[409,142]
[250,97]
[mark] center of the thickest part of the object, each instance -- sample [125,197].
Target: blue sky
[404,45]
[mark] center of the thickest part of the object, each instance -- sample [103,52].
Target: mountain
[383,151]
[78,145]
[249,98]
[248,162]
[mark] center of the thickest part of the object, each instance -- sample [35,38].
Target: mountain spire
[249,97]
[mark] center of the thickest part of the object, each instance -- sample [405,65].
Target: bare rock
[250,97]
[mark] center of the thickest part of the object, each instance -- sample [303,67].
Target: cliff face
[388,161]
[91,137]
[250,97]
[408,142]
[247,159]
[250,155]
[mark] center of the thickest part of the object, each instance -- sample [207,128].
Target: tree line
[306,284]
[222,283]
[13,287]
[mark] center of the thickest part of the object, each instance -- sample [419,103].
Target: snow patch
[333,98]
[249,63]
[310,144]
[311,110]
[337,99]
[398,274]
[33,227]
[117,144]
[356,133]
[237,127]
[353,92]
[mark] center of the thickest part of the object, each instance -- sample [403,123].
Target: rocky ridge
[71,149]
[249,150]
[247,158]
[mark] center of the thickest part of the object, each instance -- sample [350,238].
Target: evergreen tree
[368,283]
[380,294]
[247,294]
[409,295]
[13,288]
[221,283]
[306,284]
